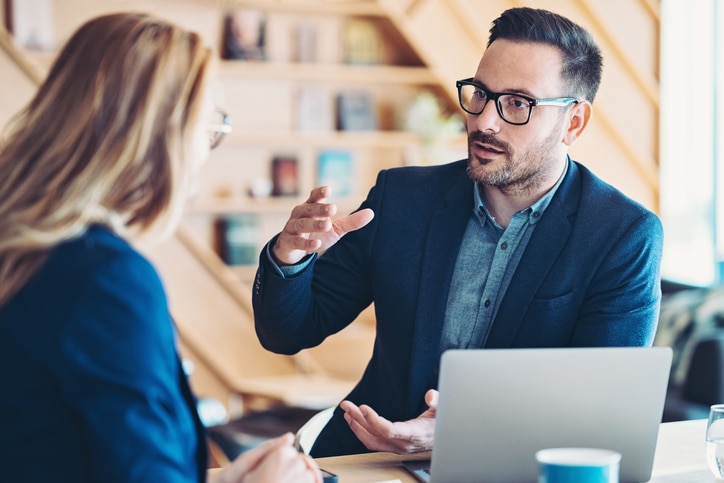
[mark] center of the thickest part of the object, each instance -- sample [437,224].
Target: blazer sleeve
[623,298]
[297,312]
[119,370]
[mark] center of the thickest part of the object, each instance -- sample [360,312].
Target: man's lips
[487,148]
[486,145]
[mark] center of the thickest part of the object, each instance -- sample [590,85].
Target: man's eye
[517,102]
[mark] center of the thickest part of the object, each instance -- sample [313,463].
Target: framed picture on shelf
[336,170]
[244,34]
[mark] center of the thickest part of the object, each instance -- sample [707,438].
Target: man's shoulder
[412,187]
[601,195]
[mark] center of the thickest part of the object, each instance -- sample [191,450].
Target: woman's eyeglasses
[220,126]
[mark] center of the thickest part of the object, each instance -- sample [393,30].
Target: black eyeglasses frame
[495,96]
[218,131]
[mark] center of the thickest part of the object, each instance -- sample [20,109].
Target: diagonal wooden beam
[654,8]
[30,69]
[648,84]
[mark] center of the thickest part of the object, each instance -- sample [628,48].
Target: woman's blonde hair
[106,139]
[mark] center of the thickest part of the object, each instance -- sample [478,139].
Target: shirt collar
[534,211]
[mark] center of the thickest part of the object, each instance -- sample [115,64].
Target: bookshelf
[265,99]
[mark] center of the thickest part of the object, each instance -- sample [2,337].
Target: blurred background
[332,91]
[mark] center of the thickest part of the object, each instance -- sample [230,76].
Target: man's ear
[580,115]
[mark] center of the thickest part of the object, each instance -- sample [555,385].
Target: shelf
[368,8]
[329,73]
[335,139]
[271,205]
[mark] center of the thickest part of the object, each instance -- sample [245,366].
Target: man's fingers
[314,210]
[370,441]
[368,419]
[288,242]
[353,222]
[319,194]
[376,424]
[431,398]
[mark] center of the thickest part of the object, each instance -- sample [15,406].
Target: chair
[703,384]
[251,430]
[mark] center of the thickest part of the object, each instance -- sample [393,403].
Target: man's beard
[518,174]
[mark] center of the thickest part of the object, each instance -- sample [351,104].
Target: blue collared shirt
[488,257]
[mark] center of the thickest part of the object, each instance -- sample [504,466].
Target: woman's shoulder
[99,261]
[98,247]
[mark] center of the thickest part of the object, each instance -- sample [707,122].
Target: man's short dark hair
[582,62]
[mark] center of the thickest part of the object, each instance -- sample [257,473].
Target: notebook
[497,407]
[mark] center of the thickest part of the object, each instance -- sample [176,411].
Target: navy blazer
[92,387]
[588,277]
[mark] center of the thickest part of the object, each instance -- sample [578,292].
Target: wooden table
[679,458]
[681,455]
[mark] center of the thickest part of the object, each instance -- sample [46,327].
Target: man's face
[518,158]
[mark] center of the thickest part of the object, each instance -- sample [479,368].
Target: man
[517,246]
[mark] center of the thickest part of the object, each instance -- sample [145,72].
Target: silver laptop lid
[498,407]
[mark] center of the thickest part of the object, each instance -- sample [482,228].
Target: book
[355,111]
[285,176]
[314,109]
[362,42]
[305,42]
[335,169]
[244,34]
[237,239]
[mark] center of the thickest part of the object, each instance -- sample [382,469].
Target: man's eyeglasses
[512,108]
[220,126]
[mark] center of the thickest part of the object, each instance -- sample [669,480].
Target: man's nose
[489,120]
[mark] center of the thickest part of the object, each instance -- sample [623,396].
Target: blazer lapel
[547,242]
[202,457]
[445,234]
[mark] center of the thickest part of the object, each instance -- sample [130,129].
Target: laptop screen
[497,407]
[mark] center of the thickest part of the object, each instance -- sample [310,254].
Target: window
[692,141]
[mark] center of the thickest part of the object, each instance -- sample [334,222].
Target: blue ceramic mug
[578,465]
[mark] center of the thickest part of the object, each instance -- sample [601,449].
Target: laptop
[497,407]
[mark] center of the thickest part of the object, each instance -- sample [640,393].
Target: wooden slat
[647,83]
[214,320]
[329,73]
[654,8]
[330,7]
[21,59]
[645,166]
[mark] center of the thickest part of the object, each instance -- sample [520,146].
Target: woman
[92,388]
